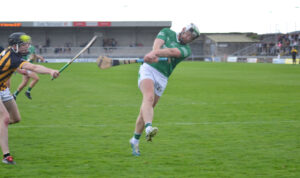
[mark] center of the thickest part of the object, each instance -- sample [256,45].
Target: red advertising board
[104,24]
[79,24]
[90,24]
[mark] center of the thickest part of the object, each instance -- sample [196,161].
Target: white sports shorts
[160,81]
[5,95]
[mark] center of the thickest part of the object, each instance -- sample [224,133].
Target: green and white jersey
[171,41]
[31,51]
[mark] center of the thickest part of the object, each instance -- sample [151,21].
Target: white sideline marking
[235,123]
[176,123]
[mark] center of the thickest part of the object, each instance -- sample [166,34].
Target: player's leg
[139,127]
[134,141]
[160,83]
[35,79]
[12,108]
[140,123]
[21,86]
[147,89]
[151,95]
[4,121]
[294,60]
[151,131]
[147,109]
[145,114]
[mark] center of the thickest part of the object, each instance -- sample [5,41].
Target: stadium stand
[65,39]
[60,40]
[272,45]
[225,44]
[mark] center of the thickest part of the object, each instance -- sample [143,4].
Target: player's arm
[40,69]
[168,52]
[158,52]
[158,43]
[40,57]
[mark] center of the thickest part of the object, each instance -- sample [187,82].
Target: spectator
[109,44]
[113,43]
[47,42]
[40,47]
[294,54]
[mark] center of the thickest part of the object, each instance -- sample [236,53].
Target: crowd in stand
[281,44]
[109,44]
[65,49]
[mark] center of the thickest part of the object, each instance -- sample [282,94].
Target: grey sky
[259,16]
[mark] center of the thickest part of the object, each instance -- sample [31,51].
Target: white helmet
[193,29]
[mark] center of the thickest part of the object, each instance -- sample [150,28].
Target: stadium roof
[237,38]
[88,24]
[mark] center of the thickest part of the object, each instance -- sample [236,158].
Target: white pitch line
[235,123]
[176,123]
[57,126]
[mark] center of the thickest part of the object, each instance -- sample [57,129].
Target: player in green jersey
[27,74]
[154,74]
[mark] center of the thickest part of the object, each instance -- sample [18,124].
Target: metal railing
[253,49]
[68,52]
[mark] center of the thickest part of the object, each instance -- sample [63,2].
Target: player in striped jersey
[10,60]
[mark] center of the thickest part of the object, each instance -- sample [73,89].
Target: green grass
[214,119]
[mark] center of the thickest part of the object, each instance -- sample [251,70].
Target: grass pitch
[214,120]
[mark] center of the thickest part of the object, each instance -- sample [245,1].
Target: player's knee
[36,79]
[149,99]
[5,119]
[25,81]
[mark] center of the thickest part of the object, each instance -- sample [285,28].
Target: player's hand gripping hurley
[77,55]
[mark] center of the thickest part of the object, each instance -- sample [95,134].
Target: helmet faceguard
[193,29]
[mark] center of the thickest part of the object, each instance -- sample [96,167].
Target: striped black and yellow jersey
[9,62]
[294,51]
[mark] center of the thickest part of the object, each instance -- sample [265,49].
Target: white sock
[148,129]
[134,140]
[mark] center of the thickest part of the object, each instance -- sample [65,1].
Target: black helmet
[18,38]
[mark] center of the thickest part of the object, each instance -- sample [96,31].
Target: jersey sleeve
[185,51]
[21,64]
[17,62]
[163,34]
